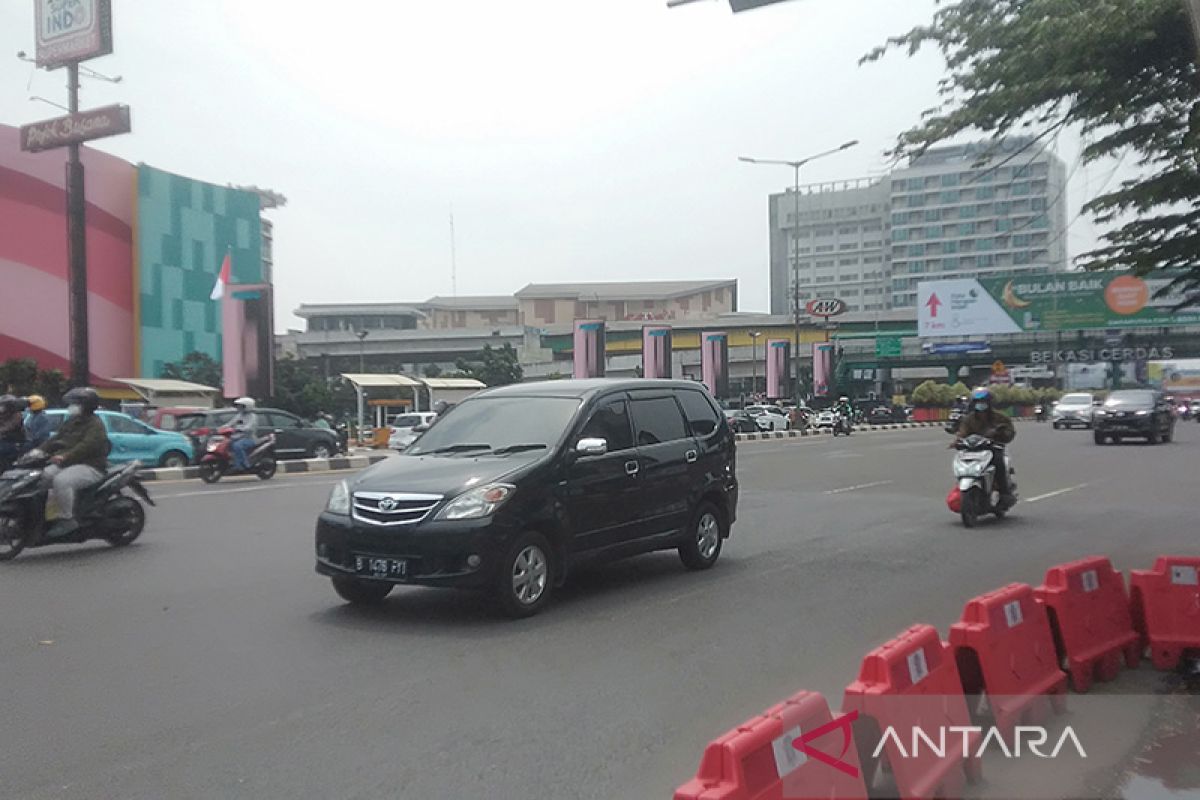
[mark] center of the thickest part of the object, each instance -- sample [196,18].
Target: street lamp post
[754,360]
[362,369]
[795,238]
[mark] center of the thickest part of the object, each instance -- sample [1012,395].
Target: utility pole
[754,360]
[76,246]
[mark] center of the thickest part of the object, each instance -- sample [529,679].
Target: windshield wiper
[461,448]
[517,448]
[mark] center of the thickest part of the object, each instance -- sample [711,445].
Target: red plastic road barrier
[1166,607]
[1003,646]
[908,683]
[1090,617]
[796,750]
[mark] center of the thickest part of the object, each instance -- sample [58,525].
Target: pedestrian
[37,424]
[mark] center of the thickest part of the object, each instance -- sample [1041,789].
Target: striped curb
[284,467]
[770,435]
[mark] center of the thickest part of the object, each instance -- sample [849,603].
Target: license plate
[374,567]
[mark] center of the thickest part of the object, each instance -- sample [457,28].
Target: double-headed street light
[796,165]
[754,360]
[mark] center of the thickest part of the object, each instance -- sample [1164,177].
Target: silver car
[1073,409]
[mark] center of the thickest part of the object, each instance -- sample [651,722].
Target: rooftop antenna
[453,259]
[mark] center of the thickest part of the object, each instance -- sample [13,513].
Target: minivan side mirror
[591,447]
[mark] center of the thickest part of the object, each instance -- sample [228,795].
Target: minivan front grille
[389,508]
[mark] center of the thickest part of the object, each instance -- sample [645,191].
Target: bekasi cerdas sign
[1088,355]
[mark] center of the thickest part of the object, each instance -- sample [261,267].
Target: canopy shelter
[382,388]
[167,392]
[452,390]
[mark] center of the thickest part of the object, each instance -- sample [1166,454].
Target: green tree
[1123,72]
[301,389]
[495,366]
[432,371]
[196,367]
[21,376]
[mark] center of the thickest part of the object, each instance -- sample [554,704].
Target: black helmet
[85,396]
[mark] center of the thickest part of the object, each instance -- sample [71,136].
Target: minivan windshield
[500,424]
[1075,400]
[1145,399]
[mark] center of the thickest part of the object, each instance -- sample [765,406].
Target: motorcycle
[105,511]
[842,425]
[953,420]
[217,461]
[975,473]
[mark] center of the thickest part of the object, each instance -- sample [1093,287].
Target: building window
[847,262]
[825,279]
[848,246]
[1022,257]
[950,179]
[873,243]
[1038,204]
[850,292]
[825,264]
[544,310]
[949,198]
[825,248]
[847,231]
[872,259]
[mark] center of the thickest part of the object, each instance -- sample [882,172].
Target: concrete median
[337,464]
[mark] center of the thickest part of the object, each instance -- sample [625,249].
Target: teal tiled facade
[184,228]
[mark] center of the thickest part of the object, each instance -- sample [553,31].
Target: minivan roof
[586,388]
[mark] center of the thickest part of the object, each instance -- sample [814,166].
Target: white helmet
[244,403]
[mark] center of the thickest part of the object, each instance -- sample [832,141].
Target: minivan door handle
[692,456]
[631,468]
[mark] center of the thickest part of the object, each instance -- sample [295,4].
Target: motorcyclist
[79,456]
[12,429]
[243,425]
[37,424]
[844,408]
[984,420]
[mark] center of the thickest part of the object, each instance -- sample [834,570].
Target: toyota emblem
[387,504]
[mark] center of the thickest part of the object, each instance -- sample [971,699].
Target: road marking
[859,486]
[1055,493]
[212,492]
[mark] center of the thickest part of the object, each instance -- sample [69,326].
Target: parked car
[403,430]
[882,415]
[1073,409]
[769,418]
[133,440]
[523,483]
[741,422]
[294,438]
[1141,413]
[824,419]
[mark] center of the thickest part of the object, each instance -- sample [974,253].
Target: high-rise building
[955,211]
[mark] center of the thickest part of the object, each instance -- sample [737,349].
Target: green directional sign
[887,346]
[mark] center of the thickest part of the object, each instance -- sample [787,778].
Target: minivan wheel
[526,576]
[320,450]
[702,545]
[359,592]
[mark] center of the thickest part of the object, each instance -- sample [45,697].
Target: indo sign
[1088,355]
[74,128]
[72,30]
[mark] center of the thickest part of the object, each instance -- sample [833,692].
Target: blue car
[136,441]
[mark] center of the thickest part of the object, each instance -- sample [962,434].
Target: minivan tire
[525,579]
[359,592]
[699,550]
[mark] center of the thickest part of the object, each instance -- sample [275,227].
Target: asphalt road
[208,661]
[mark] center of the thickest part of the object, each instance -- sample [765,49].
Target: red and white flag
[223,278]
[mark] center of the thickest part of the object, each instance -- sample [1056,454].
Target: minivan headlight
[339,500]
[477,503]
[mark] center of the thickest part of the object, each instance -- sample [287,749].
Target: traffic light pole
[76,247]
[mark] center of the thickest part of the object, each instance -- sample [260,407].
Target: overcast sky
[574,139]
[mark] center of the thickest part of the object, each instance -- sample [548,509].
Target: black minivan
[516,485]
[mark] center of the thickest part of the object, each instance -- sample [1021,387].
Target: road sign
[888,346]
[72,30]
[998,367]
[829,307]
[948,348]
[95,123]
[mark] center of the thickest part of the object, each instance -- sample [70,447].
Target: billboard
[656,351]
[714,362]
[779,363]
[72,30]
[95,123]
[1052,302]
[589,348]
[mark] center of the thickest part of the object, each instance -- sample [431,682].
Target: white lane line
[1055,493]
[859,486]
[213,492]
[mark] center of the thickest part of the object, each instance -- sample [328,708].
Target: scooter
[104,511]
[217,461]
[975,493]
[841,424]
[953,420]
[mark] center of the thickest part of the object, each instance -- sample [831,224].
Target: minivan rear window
[657,420]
